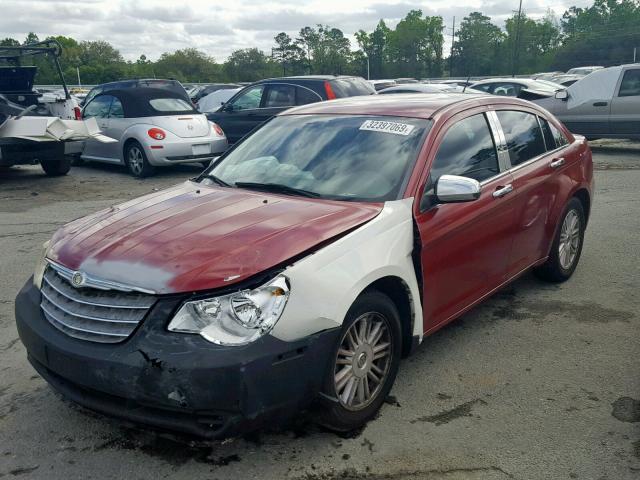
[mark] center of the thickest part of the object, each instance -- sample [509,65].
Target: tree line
[602,34]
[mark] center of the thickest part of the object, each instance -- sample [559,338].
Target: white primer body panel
[325,284]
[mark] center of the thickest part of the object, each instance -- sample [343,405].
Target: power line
[516,53]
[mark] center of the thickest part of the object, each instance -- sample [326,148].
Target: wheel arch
[400,294]
[583,195]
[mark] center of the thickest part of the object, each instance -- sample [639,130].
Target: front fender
[325,284]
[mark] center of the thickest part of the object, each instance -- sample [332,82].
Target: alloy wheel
[569,239]
[363,361]
[136,160]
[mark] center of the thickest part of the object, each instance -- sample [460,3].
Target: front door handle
[502,191]
[600,104]
[557,162]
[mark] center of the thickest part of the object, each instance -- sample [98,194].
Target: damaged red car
[302,265]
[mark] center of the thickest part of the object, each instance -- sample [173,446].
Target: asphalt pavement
[540,382]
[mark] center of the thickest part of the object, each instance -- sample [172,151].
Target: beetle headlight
[235,319]
[41,265]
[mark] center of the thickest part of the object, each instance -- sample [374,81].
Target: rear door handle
[502,191]
[600,104]
[557,162]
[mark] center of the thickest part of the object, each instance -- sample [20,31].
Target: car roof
[135,102]
[306,77]
[415,105]
[505,79]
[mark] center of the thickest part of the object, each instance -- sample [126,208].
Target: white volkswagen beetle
[154,128]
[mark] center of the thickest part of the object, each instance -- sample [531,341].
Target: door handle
[502,191]
[600,104]
[557,162]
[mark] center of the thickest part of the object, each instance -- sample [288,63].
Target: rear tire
[359,383]
[56,168]
[567,245]
[136,161]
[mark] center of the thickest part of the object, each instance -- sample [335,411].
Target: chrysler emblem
[77,280]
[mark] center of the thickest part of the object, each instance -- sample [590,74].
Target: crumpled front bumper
[174,381]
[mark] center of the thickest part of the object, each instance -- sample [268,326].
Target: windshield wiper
[277,188]
[217,180]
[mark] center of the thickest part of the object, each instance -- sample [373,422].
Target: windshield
[365,158]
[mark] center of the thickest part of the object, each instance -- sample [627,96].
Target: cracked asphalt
[540,382]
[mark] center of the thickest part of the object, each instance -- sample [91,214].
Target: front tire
[567,245]
[364,364]
[136,160]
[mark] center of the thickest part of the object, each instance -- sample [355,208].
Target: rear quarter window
[305,96]
[351,87]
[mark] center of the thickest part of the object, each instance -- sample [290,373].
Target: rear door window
[506,89]
[467,150]
[280,96]
[630,86]
[523,135]
[553,137]
[559,137]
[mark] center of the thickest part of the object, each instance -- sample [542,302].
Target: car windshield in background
[351,87]
[364,158]
[170,105]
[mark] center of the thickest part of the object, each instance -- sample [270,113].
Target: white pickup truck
[603,104]
[34,128]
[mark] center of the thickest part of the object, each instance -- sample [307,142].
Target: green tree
[530,44]
[415,46]
[603,34]
[248,65]
[288,55]
[9,42]
[188,64]
[477,48]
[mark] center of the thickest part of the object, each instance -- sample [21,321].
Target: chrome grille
[105,316]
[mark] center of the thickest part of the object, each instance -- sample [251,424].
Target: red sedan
[304,263]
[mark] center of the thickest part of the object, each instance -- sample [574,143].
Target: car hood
[194,237]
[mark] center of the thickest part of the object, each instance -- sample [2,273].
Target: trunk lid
[184,126]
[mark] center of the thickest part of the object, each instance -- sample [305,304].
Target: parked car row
[228,112]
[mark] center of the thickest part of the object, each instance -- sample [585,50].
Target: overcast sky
[151,27]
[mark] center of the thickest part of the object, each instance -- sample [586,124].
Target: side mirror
[562,95]
[226,107]
[455,189]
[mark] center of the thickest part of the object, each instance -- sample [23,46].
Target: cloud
[152,27]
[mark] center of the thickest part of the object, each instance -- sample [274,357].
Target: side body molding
[325,284]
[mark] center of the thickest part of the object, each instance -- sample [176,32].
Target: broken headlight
[235,319]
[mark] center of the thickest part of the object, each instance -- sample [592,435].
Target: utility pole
[634,54]
[453,39]
[516,46]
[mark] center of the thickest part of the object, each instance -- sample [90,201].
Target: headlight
[235,319]
[41,265]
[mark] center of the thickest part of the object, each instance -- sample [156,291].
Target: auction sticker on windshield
[387,127]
